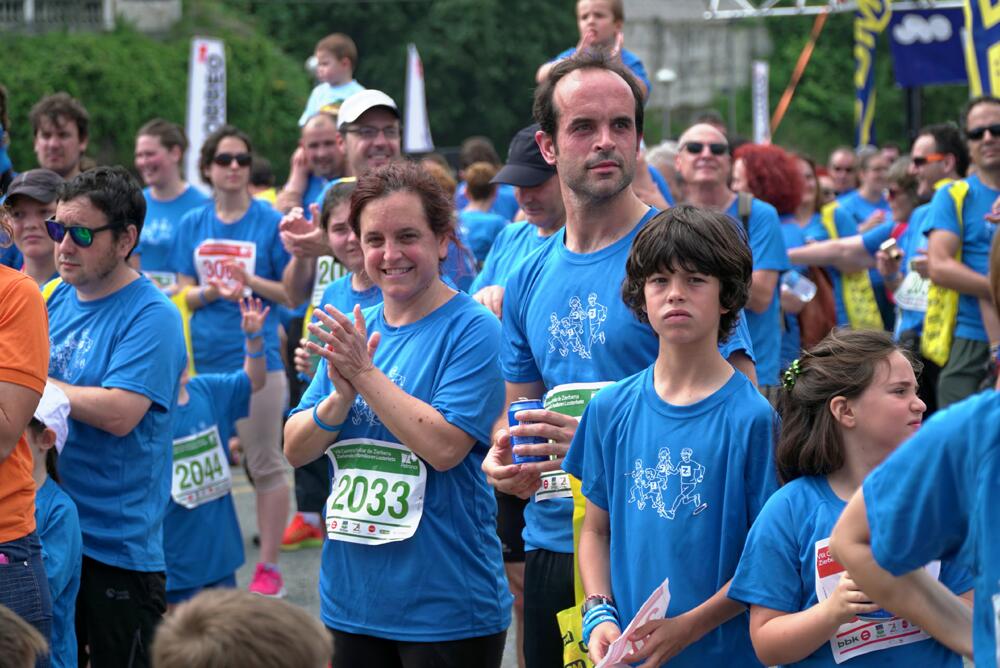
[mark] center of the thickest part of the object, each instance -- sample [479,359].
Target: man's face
[873,175]
[700,160]
[322,145]
[156,164]
[542,204]
[934,168]
[88,268]
[595,17]
[841,168]
[985,152]
[596,146]
[58,146]
[28,217]
[371,141]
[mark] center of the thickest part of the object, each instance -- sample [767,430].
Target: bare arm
[304,439]
[298,277]
[271,290]
[847,254]
[113,410]
[762,290]
[595,572]
[17,406]
[915,596]
[948,272]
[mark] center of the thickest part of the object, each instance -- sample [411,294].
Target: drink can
[525,405]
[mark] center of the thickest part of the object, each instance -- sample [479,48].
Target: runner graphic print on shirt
[652,485]
[71,353]
[578,331]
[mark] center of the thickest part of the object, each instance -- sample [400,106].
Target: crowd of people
[733,349]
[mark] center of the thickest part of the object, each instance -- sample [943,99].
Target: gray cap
[38,184]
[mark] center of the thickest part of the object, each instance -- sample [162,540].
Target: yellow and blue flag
[870,19]
[982,46]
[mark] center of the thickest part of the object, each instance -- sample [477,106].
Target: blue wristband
[253,337]
[201,296]
[257,355]
[322,425]
[596,616]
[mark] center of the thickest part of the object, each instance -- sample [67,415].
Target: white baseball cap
[53,412]
[353,107]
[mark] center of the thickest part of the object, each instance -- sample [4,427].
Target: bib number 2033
[377,494]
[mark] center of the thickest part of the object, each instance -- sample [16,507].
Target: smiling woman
[402,403]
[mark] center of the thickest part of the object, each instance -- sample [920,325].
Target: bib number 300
[377,493]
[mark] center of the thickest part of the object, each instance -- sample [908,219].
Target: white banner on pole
[761,106]
[416,126]
[206,103]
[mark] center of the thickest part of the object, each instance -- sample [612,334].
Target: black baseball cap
[525,165]
[38,184]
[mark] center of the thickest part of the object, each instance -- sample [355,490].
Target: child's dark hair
[51,455]
[841,365]
[697,240]
[337,194]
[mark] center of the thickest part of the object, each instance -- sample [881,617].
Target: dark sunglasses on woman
[226,159]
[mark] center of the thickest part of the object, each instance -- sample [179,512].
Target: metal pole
[914,111]
[29,12]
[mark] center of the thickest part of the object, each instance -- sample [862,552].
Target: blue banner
[870,20]
[982,46]
[927,46]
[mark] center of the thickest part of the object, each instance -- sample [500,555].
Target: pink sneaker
[267,582]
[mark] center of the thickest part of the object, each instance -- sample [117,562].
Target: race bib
[569,399]
[377,493]
[862,636]
[212,256]
[327,271]
[164,280]
[912,292]
[201,469]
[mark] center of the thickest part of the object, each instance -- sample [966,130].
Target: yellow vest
[856,287]
[942,303]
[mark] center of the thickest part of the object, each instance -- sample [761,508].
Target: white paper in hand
[654,608]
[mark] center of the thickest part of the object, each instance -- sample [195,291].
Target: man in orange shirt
[24,363]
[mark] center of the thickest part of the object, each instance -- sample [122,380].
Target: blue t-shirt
[10,256]
[565,322]
[852,210]
[216,338]
[324,94]
[846,227]
[315,186]
[504,204]
[936,497]
[791,335]
[343,297]
[514,243]
[778,571]
[858,208]
[682,485]
[156,243]
[480,229]
[446,582]
[768,247]
[204,544]
[62,552]
[912,242]
[629,60]
[120,484]
[661,184]
[459,269]
[976,235]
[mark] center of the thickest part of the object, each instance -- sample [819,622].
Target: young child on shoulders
[675,461]
[336,60]
[846,405]
[57,521]
[229,628]
[201,533]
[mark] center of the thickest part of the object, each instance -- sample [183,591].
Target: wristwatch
[594,601]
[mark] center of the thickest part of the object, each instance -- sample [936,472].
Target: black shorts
[510,525]
[351,650]
[548,590]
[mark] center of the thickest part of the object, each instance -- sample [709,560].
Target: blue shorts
[175,596]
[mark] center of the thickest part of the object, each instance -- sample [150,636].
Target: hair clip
[793,371]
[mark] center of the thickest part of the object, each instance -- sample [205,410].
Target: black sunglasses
[226,159]
[82,236]
[696,147]
[978,133]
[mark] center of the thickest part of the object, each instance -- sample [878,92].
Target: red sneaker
[299,534]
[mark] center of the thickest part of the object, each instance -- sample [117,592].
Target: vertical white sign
[416,126]
[761,106]
[206,103]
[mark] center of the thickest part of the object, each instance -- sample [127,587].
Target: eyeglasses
[82,236]
[226,159]
[696,147]
[978,133]
[828,192]
[895,192]
[921,160]
[369,132]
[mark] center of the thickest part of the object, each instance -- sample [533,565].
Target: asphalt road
[300,569]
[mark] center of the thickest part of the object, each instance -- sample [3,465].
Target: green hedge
[124,78]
